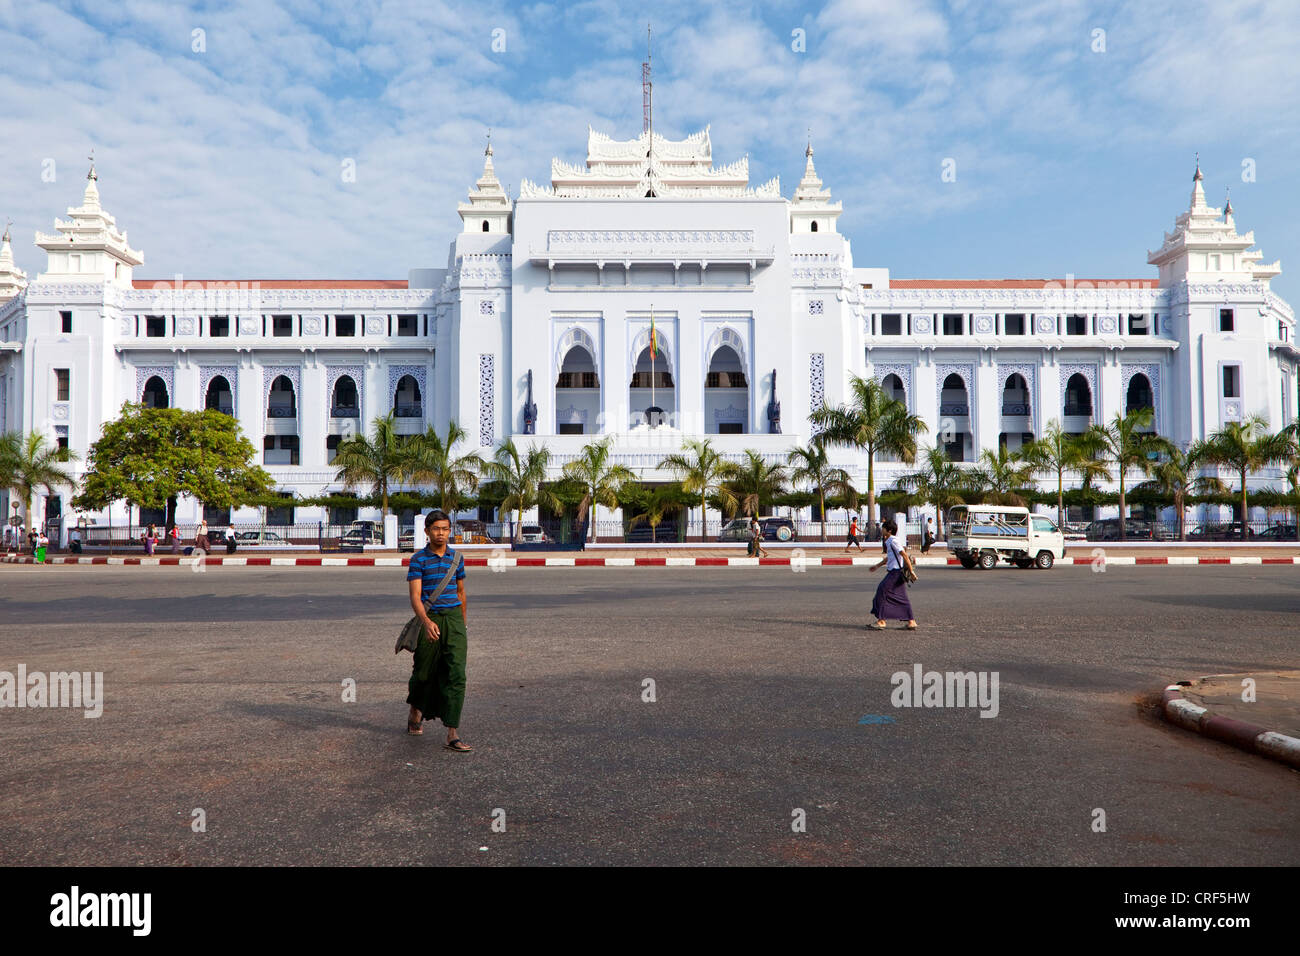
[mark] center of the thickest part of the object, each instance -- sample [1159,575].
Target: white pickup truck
[980,535]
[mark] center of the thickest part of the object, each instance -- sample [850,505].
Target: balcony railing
[1082,410]
[407,411]
[281,411]
[224,409]
[1015,408]
[642,380]
[344,411]
[954,408]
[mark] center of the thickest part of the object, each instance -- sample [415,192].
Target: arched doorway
[155,393]
[1139,394]
[1015,395]
[577,393]
[954,417]
[219,397]
[282,403]
[726,394]
[1078,397]
[407,401]
[662,397]
[893,386]
[344,402]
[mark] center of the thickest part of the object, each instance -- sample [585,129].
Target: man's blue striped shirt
[432,568]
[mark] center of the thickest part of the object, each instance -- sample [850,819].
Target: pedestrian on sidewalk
[437,684]
[175,535]
[42,542]
[150,539]
[853,535]
[756,538]
[927,536]
[201,537]
[74,540]
[891,602]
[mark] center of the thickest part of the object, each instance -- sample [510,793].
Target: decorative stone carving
[486,399]
[530,409]
[816,384]
[313,324]
[1046,324]
[271,372]
[60,411]
[966,373]
[729,338]
[355,372]
[208,372]
[1089,372]
[146,372]
[375,325]
[922,324]
[249,324]
[1030,375]
[729,414]
[576,337]
[395,374]
[816,307]
[1107,324]
[773,410]
[983,324]
[1152,373]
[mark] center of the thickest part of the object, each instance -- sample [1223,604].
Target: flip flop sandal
[910,627]
[876,627]
[414,729]
[457,745]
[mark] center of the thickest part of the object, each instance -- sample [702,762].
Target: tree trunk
[871,492]
[1245,511]
[1123,517]
[822,493]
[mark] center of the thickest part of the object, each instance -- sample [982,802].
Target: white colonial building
[539,325]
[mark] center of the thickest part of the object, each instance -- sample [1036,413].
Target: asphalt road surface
[224,692]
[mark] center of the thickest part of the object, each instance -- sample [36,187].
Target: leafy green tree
[1247,446]
[378,461]
[873,422]
[1176,475]
[1057,452]
[702,471]
[755,481]
[939,482]
[600,480]
[433,461]
[521,479]
[811,466]
[1001,476]
[1126,443]
[149,456]
[30,462]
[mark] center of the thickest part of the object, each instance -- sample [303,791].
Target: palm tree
[379,461]
[700,470]
[873,422]
[521,479]
[1057,452]
[1001,475]
[1248,446]
[1175,475]
[1127,444]
[30,462]
[755,481]
[599,478]
[433,461]
[939,482]
[656,505]
[811,466]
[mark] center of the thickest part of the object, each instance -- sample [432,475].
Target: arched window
[281,403]
[814,225]
[219,397]
[577,394]
[893,386]
[1015,395]
[407,402]
[1078,396]
[155,393]
[1139,393]
[485,225]
[726,396]
[344,403]
[954,399]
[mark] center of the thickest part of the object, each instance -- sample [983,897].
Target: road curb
[1249,737]
[1099,562]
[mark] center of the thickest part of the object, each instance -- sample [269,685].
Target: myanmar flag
[654,339]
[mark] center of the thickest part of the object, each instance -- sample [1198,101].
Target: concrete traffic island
[1259,713]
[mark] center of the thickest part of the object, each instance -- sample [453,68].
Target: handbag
[909,567]
[409,638]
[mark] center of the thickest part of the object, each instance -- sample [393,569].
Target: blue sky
[1073,149]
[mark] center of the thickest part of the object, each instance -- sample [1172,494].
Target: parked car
[472,531]
[1278,532]
[1107,529]
[259,537]
[1218,532]
[774,529]
[362,536]
[533,534]
[406,540]
[1075,531]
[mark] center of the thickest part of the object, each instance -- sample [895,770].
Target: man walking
[853,536]
[927,536]
[437,684]
[756,538]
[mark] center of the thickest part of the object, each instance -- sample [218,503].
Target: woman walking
[891,601]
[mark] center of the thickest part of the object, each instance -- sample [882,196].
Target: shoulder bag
[409,639]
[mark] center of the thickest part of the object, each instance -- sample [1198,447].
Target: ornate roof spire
[1197,177]
[1198,189]
[1227,204]
[12,279]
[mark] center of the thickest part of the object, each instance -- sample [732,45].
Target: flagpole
[652,357]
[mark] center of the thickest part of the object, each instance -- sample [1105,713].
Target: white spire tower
[12,279]
[811,210]
[88,246]
[489,208]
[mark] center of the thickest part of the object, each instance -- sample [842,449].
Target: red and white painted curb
[1249,737]
[616,562]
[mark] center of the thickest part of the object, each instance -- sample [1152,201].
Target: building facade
[539,328]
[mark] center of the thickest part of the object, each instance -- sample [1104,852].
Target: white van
[978,535]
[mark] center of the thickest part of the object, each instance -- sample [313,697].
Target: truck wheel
[988,560]
[1044,560]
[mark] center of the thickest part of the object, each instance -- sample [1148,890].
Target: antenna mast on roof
[646,94]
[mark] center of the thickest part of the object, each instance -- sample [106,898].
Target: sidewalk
[1213,706]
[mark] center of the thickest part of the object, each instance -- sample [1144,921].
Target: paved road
[223,692]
